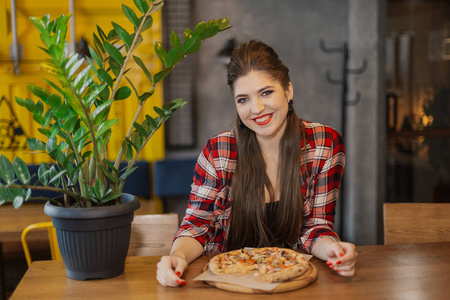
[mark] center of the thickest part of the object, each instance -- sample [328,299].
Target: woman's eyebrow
[259,91]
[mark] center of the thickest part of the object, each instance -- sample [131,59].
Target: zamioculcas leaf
[51,145]
[161,52]
[38,91]
[108,124]
[55,176]
[147,24]
[141,5]
[106,77]
[174,56]
[127,150]
[115,67]
[18,201]
[210,31]
[123,93]
[21,170]
[175,40]
[35,144]
[95,56]
[127,173]
[123,34]
[143,67]
[131,15]
[7,173]
[192,45]
[140,129]
[159,76]
[114,53]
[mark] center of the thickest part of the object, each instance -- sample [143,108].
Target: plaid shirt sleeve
[326,160]
[209,205]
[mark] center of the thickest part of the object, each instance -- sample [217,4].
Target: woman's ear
[290,92]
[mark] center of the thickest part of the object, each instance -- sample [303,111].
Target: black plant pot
[94,241]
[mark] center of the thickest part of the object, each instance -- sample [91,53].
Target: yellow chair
[54,248]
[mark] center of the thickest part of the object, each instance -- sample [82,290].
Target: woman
[271,181]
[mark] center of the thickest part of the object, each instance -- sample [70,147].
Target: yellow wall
[87,15]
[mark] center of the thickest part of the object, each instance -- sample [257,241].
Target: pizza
[271,264]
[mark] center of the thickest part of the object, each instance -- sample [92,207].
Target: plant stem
[46,188]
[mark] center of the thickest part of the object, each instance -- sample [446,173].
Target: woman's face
[262,104]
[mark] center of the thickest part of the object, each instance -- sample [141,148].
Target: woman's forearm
[187,247]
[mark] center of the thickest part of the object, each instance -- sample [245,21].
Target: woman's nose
[257,106]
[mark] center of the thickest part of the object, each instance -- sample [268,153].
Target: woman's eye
[267,93]
[241,100]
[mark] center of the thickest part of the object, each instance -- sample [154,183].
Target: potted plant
[76,126]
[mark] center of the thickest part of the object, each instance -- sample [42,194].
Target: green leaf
[70,61]
[108,174]
[101,108]
[152,122]
[137,140]
[111,196]
[161,52]
[55,177]
[159,111]
[51,145]
[35,145]
[99,187]
[156,7]
[98,43]
[123,34]
[95,56]
[38,91]
[73,69]
[21,170]
[140,129]
[127,173]
[223,23]
[192,45]
[43,173]
[18,201]
[105,126]
[161,75]
[175,40]
[123,93]
[131,15]
[115,67]
[114,53]
[47,118]
[147,24]
[199,29]
[210,31]
[174,56]
[101,33]
[141,5]
[71,123]
[20,101]
[143,67]
[7,170]
[127,150]
[81,76]
[106,77]
[187,34]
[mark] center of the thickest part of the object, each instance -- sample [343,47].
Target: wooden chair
[406,223]
[152,234]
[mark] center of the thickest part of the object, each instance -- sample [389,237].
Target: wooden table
[412,271]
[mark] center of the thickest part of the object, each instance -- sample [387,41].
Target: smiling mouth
[263,120]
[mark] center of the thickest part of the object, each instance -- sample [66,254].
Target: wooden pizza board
[296,283]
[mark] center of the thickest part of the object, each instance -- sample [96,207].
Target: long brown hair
[248,226]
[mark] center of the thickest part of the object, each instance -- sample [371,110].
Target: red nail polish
[181,282]
[339,262]
[331,267]
[178,273]
[341,254]
[329,263]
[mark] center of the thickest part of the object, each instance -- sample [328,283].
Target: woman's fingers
[170,269]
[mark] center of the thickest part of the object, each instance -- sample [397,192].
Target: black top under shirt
[271,210]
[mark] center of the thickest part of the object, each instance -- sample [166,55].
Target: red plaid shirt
[208,213]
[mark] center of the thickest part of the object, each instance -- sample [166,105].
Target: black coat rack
[346,71]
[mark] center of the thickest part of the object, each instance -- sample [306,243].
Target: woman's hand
[170,269]
[341,258]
